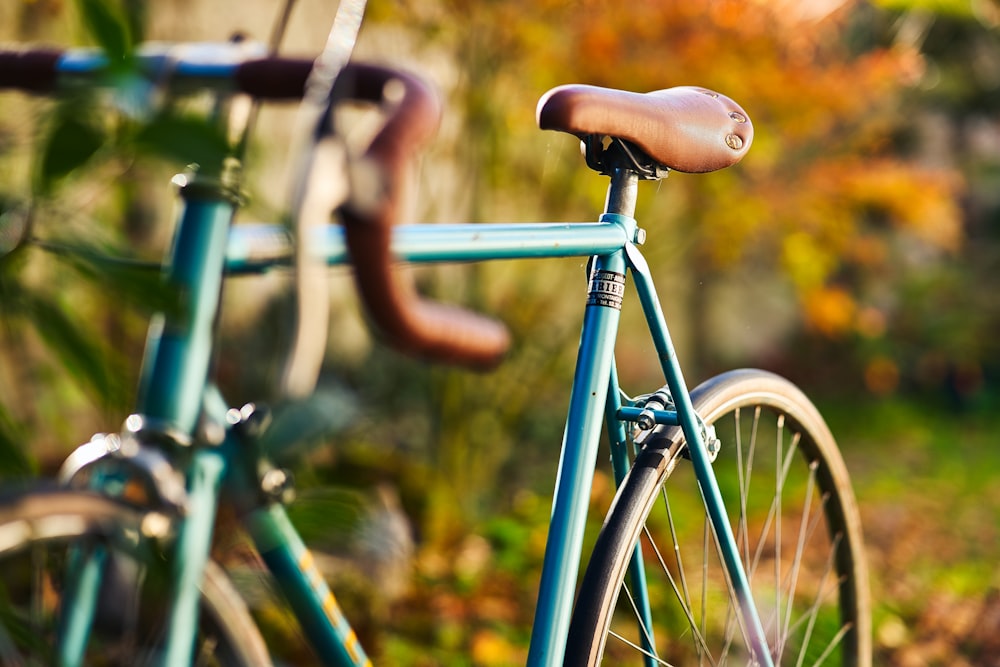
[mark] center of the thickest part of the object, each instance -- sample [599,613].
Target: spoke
[753,442]
[825,596]
[810,532]
[639,620]
[751,453]
[743,530]
[834,643]
[761,540]
[783,463]
[779,485]
[789,455]
[749,471]
[814,610]
[706,532]
[765,531]
[686,608]
[638,648]
[677,548]
[732,623]
[744,483]
[797,562]
[731,596]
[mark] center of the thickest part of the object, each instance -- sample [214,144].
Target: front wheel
[47,540]
[655,591]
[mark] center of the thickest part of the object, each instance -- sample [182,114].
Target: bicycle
[94,575]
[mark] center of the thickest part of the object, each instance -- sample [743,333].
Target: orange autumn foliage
[822,194]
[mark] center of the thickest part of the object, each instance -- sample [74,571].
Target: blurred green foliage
[77,284]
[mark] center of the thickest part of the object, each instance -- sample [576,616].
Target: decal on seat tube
[607,288]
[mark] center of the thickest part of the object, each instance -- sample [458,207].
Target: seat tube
[576,470]
[594,365]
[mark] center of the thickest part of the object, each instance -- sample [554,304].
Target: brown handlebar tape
[414,325]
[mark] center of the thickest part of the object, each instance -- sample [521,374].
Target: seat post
[622,192]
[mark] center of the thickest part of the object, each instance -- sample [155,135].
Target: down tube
[576,465]
[699,456]
[303,585]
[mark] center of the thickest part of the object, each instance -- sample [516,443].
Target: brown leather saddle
[685,128]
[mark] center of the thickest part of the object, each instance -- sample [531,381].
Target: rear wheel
[797,526]
[44,537]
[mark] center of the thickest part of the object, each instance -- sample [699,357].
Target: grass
[926,480]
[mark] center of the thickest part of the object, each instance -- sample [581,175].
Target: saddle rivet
[738,117]
[734,142]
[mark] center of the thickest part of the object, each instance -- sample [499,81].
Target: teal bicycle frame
[174,394]
[178,406]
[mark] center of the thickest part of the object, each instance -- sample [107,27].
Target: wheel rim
[129,621]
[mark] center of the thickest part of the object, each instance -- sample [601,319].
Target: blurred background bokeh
[856,250]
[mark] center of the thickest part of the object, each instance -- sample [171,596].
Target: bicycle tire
[38,531]
[810,585]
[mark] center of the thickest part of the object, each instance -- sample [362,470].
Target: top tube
[257,247]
